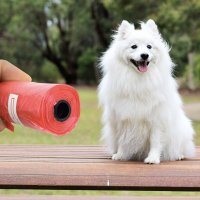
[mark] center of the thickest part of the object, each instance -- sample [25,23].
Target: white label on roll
[12,108]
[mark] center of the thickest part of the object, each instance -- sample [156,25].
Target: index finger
[9,72]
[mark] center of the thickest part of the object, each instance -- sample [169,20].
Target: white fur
[143,117]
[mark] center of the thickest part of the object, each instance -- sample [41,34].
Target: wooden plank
[48,197]
[89,167]
[57,151]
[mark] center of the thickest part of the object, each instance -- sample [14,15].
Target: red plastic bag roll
[54,108]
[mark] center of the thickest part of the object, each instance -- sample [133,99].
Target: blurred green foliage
[197,70]
[71,35]
[87,66]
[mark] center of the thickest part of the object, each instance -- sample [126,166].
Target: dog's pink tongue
[142,68]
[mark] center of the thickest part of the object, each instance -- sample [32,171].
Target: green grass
[86,132]
[193,98]
[196,126]
[96,193]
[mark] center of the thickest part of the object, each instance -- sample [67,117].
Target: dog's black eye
[149,46]
[134,46]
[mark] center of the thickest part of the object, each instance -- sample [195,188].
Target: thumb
[9,72]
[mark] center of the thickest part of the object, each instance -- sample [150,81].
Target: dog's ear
[124,29]
[150,25]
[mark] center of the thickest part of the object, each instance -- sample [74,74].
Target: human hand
[9,72]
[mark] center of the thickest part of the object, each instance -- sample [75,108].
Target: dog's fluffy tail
[189,147]
[189,150]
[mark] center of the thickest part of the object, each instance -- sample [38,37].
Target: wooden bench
[90,167]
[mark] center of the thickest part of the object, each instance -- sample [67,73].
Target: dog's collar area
[141,64]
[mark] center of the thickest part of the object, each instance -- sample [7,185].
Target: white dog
[143,116]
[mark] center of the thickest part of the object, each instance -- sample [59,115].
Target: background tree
[57,32]
[181,27]
[63,39]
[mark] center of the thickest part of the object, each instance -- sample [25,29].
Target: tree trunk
[72,72]
[68,71]
[70,76]
[99,13]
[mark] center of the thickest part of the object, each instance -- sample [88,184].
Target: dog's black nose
[144,56]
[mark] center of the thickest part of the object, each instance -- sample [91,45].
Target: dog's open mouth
[141,65]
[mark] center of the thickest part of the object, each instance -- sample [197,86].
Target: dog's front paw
[152,159]
[180,157]
[117,156]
